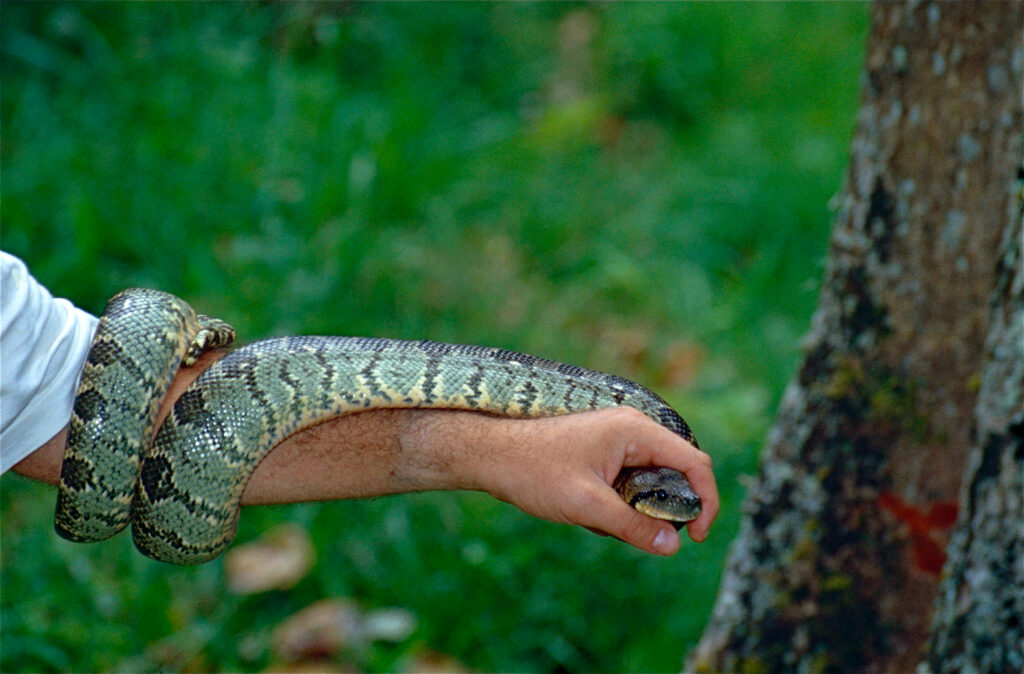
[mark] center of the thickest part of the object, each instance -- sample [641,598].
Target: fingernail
[664,544]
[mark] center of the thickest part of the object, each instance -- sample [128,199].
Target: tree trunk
[979,621]
[838,562]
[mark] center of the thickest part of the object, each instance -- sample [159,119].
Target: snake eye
[661,494]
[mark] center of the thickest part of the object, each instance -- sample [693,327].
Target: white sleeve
[43,344]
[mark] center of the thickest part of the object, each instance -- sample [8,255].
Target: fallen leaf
[277,560]
[317,667]
[320,630]
[325,628]
[432,662]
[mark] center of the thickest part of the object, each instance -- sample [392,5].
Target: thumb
[639,530]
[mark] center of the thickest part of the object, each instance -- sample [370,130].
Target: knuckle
[628,414]
[616,418]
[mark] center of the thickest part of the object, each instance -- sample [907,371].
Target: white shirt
[43,344]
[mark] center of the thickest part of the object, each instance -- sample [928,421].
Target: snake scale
[181,492]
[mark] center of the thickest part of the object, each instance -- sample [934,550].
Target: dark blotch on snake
[90,405]
[77,474]
[156,479]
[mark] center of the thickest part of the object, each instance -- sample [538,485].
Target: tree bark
[978,623]
[838,562]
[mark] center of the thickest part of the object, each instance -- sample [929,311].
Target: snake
[181,488]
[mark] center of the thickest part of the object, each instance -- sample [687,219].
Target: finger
[698,528]
[702,479]
[655,445]
[658,446]
[612,516]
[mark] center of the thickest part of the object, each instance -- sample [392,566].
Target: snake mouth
[677,512]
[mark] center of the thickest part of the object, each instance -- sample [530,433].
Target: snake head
[662,493]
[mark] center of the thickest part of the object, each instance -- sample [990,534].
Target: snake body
[182,491]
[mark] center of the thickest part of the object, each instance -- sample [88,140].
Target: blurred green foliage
[638,188]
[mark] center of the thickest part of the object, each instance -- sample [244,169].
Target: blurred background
[637,188]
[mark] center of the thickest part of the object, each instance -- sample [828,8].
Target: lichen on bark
[979,621]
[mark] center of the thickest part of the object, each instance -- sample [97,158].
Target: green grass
[640,189]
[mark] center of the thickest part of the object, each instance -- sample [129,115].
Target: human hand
[561,469]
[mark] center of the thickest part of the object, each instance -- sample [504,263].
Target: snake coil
[182,491]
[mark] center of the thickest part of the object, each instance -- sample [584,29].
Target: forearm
[557,468]
[365,454]
[354,456]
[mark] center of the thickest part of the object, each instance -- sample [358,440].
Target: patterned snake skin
[182,492]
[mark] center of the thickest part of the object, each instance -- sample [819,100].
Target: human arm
[557,468]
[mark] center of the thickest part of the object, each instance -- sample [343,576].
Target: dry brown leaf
[277,560]
[327,627]
[432,662]
[313,667]
[320,630]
